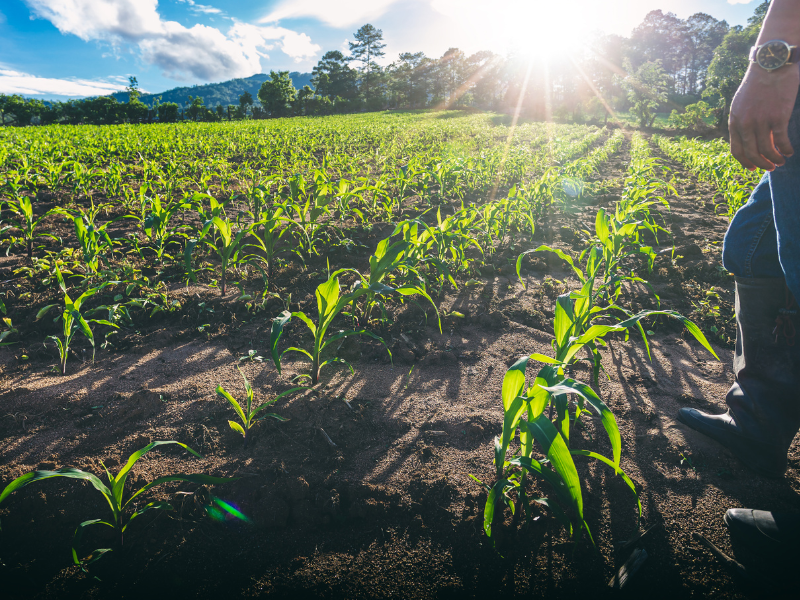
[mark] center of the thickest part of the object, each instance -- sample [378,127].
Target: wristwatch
[773,55]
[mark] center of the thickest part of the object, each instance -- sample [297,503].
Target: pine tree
[367,47]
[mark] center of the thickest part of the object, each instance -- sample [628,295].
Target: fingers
[737,148]
[751,138]
[780,136]
[766,148]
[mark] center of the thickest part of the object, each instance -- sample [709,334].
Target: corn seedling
[26,222]
[330,303]
[114,496]
[249,415]
[524,410]
[72,321]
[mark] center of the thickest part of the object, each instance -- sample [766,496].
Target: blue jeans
[763,239]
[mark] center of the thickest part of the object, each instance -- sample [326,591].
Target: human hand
[759,118]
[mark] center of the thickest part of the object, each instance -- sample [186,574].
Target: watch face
[773,55]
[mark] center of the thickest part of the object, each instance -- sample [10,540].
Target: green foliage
[114,496]
[26,223]
[695,116]
[712,161]
[277,94]
[249,415]
[330,303]
[72,321]
[647,88]
[730,62]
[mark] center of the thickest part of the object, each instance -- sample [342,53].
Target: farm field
[376,279]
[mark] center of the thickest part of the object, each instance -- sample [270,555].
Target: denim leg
[750,248]
[784,184]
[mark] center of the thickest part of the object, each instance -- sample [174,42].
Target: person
[762,250]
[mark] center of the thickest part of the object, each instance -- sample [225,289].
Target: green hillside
[225,92]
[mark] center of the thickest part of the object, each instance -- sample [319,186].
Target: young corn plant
[226,244]
[248,415]
[93,238]
[310,203]
[524,410]
[387,258]
[114,496]
[27,223]
[156,225]
[72,321]
[576,312]
[267,231]
[330,303]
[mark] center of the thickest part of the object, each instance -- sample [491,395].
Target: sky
[59,49]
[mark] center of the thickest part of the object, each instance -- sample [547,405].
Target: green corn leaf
[327,296]
[76,541]
[278,323]
[119,484]
[570,386]
[236,427]
[158,505]
[233,402]
[554,447]
[564,320]
[514,381]
[70,472]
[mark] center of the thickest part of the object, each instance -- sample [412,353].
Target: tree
[703,34]
[136,110]
[367,47]
[304,97]
[647,89]
[730,63]
[333,77]
[277,94]
[133,89]
[196,108]
[168,112]
[245,100]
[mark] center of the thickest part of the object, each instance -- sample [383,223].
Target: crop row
[541,413]
[712,161]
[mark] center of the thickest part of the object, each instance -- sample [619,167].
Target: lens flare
[220,510]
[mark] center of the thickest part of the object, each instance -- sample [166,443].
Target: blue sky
[73,48]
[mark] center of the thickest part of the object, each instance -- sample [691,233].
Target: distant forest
[224,93]
[691,67]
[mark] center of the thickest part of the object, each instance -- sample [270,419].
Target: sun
[534,28]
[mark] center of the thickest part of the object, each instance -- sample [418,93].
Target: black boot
[772,535]
[764,402]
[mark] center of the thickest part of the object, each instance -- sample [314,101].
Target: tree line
[690,66]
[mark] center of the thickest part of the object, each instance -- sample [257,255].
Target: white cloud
[14,82]
[739,1]
[297,45]
[2,18]
[201,8]
[181,52]
[338,13]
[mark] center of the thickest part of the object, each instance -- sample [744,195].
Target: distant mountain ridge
[225,92]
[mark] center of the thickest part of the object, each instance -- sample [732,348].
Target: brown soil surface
[365,491]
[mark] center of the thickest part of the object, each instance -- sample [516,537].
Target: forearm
[781,23]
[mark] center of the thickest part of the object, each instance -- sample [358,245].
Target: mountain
[226,92]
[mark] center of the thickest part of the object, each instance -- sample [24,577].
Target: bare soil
[365,491]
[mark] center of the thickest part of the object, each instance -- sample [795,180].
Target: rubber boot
[764,402]
[774,535]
